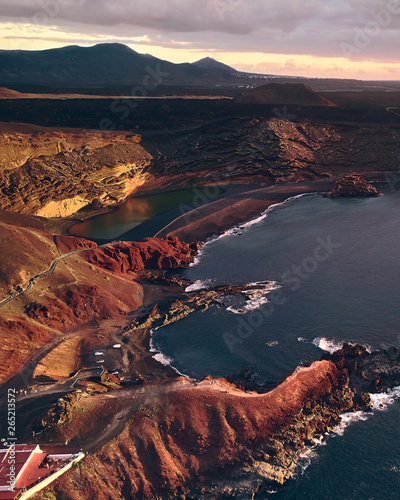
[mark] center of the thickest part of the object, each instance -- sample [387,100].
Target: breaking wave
[255,298]
[333,345]
[380,402]
[163,358]
[330,345]
[238,230]
[199,285]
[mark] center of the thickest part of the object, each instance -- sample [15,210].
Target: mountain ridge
[114,64]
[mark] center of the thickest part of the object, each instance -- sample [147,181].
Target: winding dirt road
[50,270]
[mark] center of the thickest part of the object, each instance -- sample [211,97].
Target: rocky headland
[212,439]
[353,186]
[200,300]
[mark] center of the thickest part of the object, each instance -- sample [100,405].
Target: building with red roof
[26,469]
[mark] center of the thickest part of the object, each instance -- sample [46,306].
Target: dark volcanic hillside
[115,69]
[182,141]
[105,64]
[289,94]
[210,63]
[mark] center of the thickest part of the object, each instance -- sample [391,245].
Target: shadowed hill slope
[287,94]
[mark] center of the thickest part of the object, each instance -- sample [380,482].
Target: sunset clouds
[336,38]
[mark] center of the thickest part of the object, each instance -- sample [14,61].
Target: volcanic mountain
[290,94]
[117,69]
[210,63]
[108,63]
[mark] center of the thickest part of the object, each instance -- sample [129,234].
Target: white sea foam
[163,358]
[330,345]
[199,285]
[238,230]
[311,453]
[381,401]
[255,298]
[320,441]
[306,458]
[348,418]
[333,345]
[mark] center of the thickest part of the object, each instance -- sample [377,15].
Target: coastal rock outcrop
[351,186]
[368,371]
[200,434]
[211,439]
[199,300]
[151,253]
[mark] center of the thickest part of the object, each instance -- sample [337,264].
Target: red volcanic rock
[37,311]
[196,432]
[24,254]
[78,303]
[88,301]
[19,339]
[352,185]
[67,244]
[151,253]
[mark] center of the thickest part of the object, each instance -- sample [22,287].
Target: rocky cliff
[93,285]
[55,173]
[151,253]
[213,440]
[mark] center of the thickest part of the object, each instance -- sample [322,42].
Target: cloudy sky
[322,38]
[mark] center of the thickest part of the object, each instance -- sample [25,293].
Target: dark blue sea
[330,269]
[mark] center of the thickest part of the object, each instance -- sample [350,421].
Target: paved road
[50,270]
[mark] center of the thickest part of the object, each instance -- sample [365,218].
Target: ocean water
[332,270]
